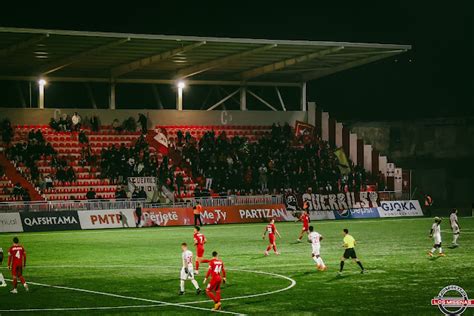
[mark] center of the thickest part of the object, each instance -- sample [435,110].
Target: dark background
[433,80]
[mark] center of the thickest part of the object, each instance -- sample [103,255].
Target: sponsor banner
[149,184]
[216,215]
[369,212]
[10,222]
[321,215]
[46,221]
[400,208]
[340,201]
[107,219]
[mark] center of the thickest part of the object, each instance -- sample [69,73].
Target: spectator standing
[138,215]
[90,195]
[142,193]
[76,121]
[143,121]
[197,210]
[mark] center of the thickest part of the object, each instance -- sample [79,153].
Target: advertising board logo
[452,300]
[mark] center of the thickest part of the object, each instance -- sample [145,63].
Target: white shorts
[187,276]
[437,239]
[316,249]
[455,229]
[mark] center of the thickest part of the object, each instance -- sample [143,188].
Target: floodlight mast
[41,83]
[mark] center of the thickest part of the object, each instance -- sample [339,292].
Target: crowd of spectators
[74,123]
[117,163]
[275,162]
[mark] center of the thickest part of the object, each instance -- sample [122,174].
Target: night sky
[435,79]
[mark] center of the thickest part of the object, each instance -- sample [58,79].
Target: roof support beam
[223,100]
[330,71]
[252,73]
[154,81]
[144,62]
[281,99]
[62,63]
[262,100]
[197,69]
[21,45]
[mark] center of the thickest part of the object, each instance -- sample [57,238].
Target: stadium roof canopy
[28,54]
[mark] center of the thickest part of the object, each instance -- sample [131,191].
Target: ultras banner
[333,202]
[216,215]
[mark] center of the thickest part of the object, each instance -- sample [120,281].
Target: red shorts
[199,251]
[17,271]
[214,285]
[271,238]
[305,228]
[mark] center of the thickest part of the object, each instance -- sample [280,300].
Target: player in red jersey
[16,263]
[199,241]
[271,230]
[304,218]
[213,289]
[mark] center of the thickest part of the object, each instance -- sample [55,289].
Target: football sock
[211,296]
[197,265]
[196,285]
[2,280]
[455,239]
[274,248]
[341,265]
[316,260]
[440,250]
[218,296]
[181,285]
[269,247]
[433,250]
[360,265]
[22,280]
[321,262]
[15,281]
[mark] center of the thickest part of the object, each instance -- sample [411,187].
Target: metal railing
[394,196]
[131,204]
[68,205]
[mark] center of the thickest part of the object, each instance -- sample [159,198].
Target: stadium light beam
[179,98]
[181,84]
[41,83]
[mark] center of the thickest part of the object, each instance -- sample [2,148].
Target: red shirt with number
[16,256]
[305,219]
[199,241]
[271,229]
[216,269]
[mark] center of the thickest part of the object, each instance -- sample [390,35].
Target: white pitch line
[292,284]
[276,275]
[72,309]
[126,297]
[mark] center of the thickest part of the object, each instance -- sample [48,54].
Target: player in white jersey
[314,238]
[453,218]
[2,280]
[435,233]
[187,272]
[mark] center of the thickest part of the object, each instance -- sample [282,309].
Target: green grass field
[136,271]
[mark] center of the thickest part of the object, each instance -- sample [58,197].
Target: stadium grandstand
[96,154]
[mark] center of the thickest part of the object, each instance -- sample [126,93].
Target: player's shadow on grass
[306,273]
[434,258]
[257,257]
[342,277]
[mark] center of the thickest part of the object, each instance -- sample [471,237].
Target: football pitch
[136,271]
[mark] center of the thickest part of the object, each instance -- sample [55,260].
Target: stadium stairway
[15,177]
